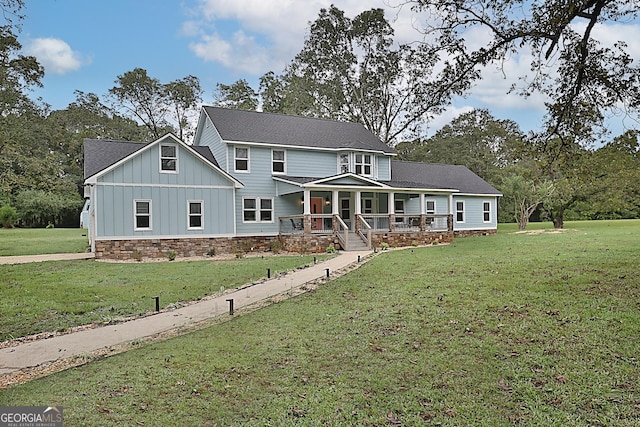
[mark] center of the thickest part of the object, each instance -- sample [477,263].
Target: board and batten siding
[473,213]
[383,168]
[139,179]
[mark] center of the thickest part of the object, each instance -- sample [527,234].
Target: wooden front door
[316,209]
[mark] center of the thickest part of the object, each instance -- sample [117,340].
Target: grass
[54,296]
[531,329]
[34,241]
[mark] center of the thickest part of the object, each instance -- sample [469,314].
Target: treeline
[348,69]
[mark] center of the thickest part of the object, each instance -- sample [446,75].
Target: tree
[184,96]
[143,98]
[475,139]
[350,69]
[581,77]
[526,195]
[239,96]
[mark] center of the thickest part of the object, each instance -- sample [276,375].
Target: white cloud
[446,117]
[240,52]
[55,55]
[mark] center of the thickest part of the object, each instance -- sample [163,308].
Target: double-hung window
[195,213]
[278,161]
[430,207]
[255,209]
[168,158]
[344,163]
[241,159]
[364,164]
[459,211]
[142,214]
[486,211]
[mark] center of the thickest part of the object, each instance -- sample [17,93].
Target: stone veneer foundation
[305,243]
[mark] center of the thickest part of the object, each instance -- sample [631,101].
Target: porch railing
[342,231]
[364,230]
[377,221]
[322,223]
[293,224]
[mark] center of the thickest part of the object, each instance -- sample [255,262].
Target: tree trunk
[557,218]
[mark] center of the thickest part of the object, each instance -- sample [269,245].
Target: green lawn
[53,296]
[35,241]
[517,328]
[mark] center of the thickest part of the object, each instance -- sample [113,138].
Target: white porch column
[392,203]
[358,210]
[307,202]
[451,204]
[335,203]
[422,209]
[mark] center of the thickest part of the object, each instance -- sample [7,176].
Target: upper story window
[459,211]
[241,159]
[486,212]
[364,164]
[344,163]
[168,158]
[278,161]
[142,214]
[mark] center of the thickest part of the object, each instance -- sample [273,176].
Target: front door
[316,209]
[345,211]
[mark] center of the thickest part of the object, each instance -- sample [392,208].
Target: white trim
[486,202]
[164,237]
[135,215]
[189,214]
[464,211]
[303,147]
[248,159]
[160,158]
[258,209]
[283,161]
[426,206]
[134,184]
[479,195]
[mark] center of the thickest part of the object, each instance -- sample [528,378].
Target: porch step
[356,243]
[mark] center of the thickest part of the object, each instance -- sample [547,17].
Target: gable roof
[438,176]
[279,129]
[100,154]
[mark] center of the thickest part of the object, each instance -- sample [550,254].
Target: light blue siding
[412,205]
[139,178]
[473,213]
[210,137]
[311,163]
[384,168]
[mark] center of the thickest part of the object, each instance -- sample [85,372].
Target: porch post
[307,202]
[423,218]
[335,208]
[358,208]
[392,211]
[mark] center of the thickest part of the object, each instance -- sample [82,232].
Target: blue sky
[85,44]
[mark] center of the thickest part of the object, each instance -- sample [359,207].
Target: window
[257,210]
[399,206]
[168,158]
[459,211]
[367,206]
[363,164]
[486,212]
[344,163]
[431,207]
[278,161]
[241,159]
[142,214]
[195,215]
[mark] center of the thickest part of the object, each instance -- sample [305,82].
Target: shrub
[171,255]
[331,249]
[212,251]
[276,246]
[384,246]
[8,216]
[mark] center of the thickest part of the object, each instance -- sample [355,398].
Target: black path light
[157,298]
[230,301]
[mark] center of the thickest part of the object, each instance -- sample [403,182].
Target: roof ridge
[324,119]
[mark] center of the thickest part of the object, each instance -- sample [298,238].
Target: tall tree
[184,97]
[238,95]
[581,77]
[351,69]
[143,98]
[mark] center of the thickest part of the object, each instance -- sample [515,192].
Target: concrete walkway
[23,259]
[35,353]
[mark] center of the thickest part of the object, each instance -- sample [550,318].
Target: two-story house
[252,181]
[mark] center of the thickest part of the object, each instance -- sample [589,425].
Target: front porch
[367,231]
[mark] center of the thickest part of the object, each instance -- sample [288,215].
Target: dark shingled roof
[99,154]
[437,176]
[280,129]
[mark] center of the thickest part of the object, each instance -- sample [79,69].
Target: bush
[8,216]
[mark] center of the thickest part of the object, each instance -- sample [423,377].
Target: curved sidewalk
[35,353]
